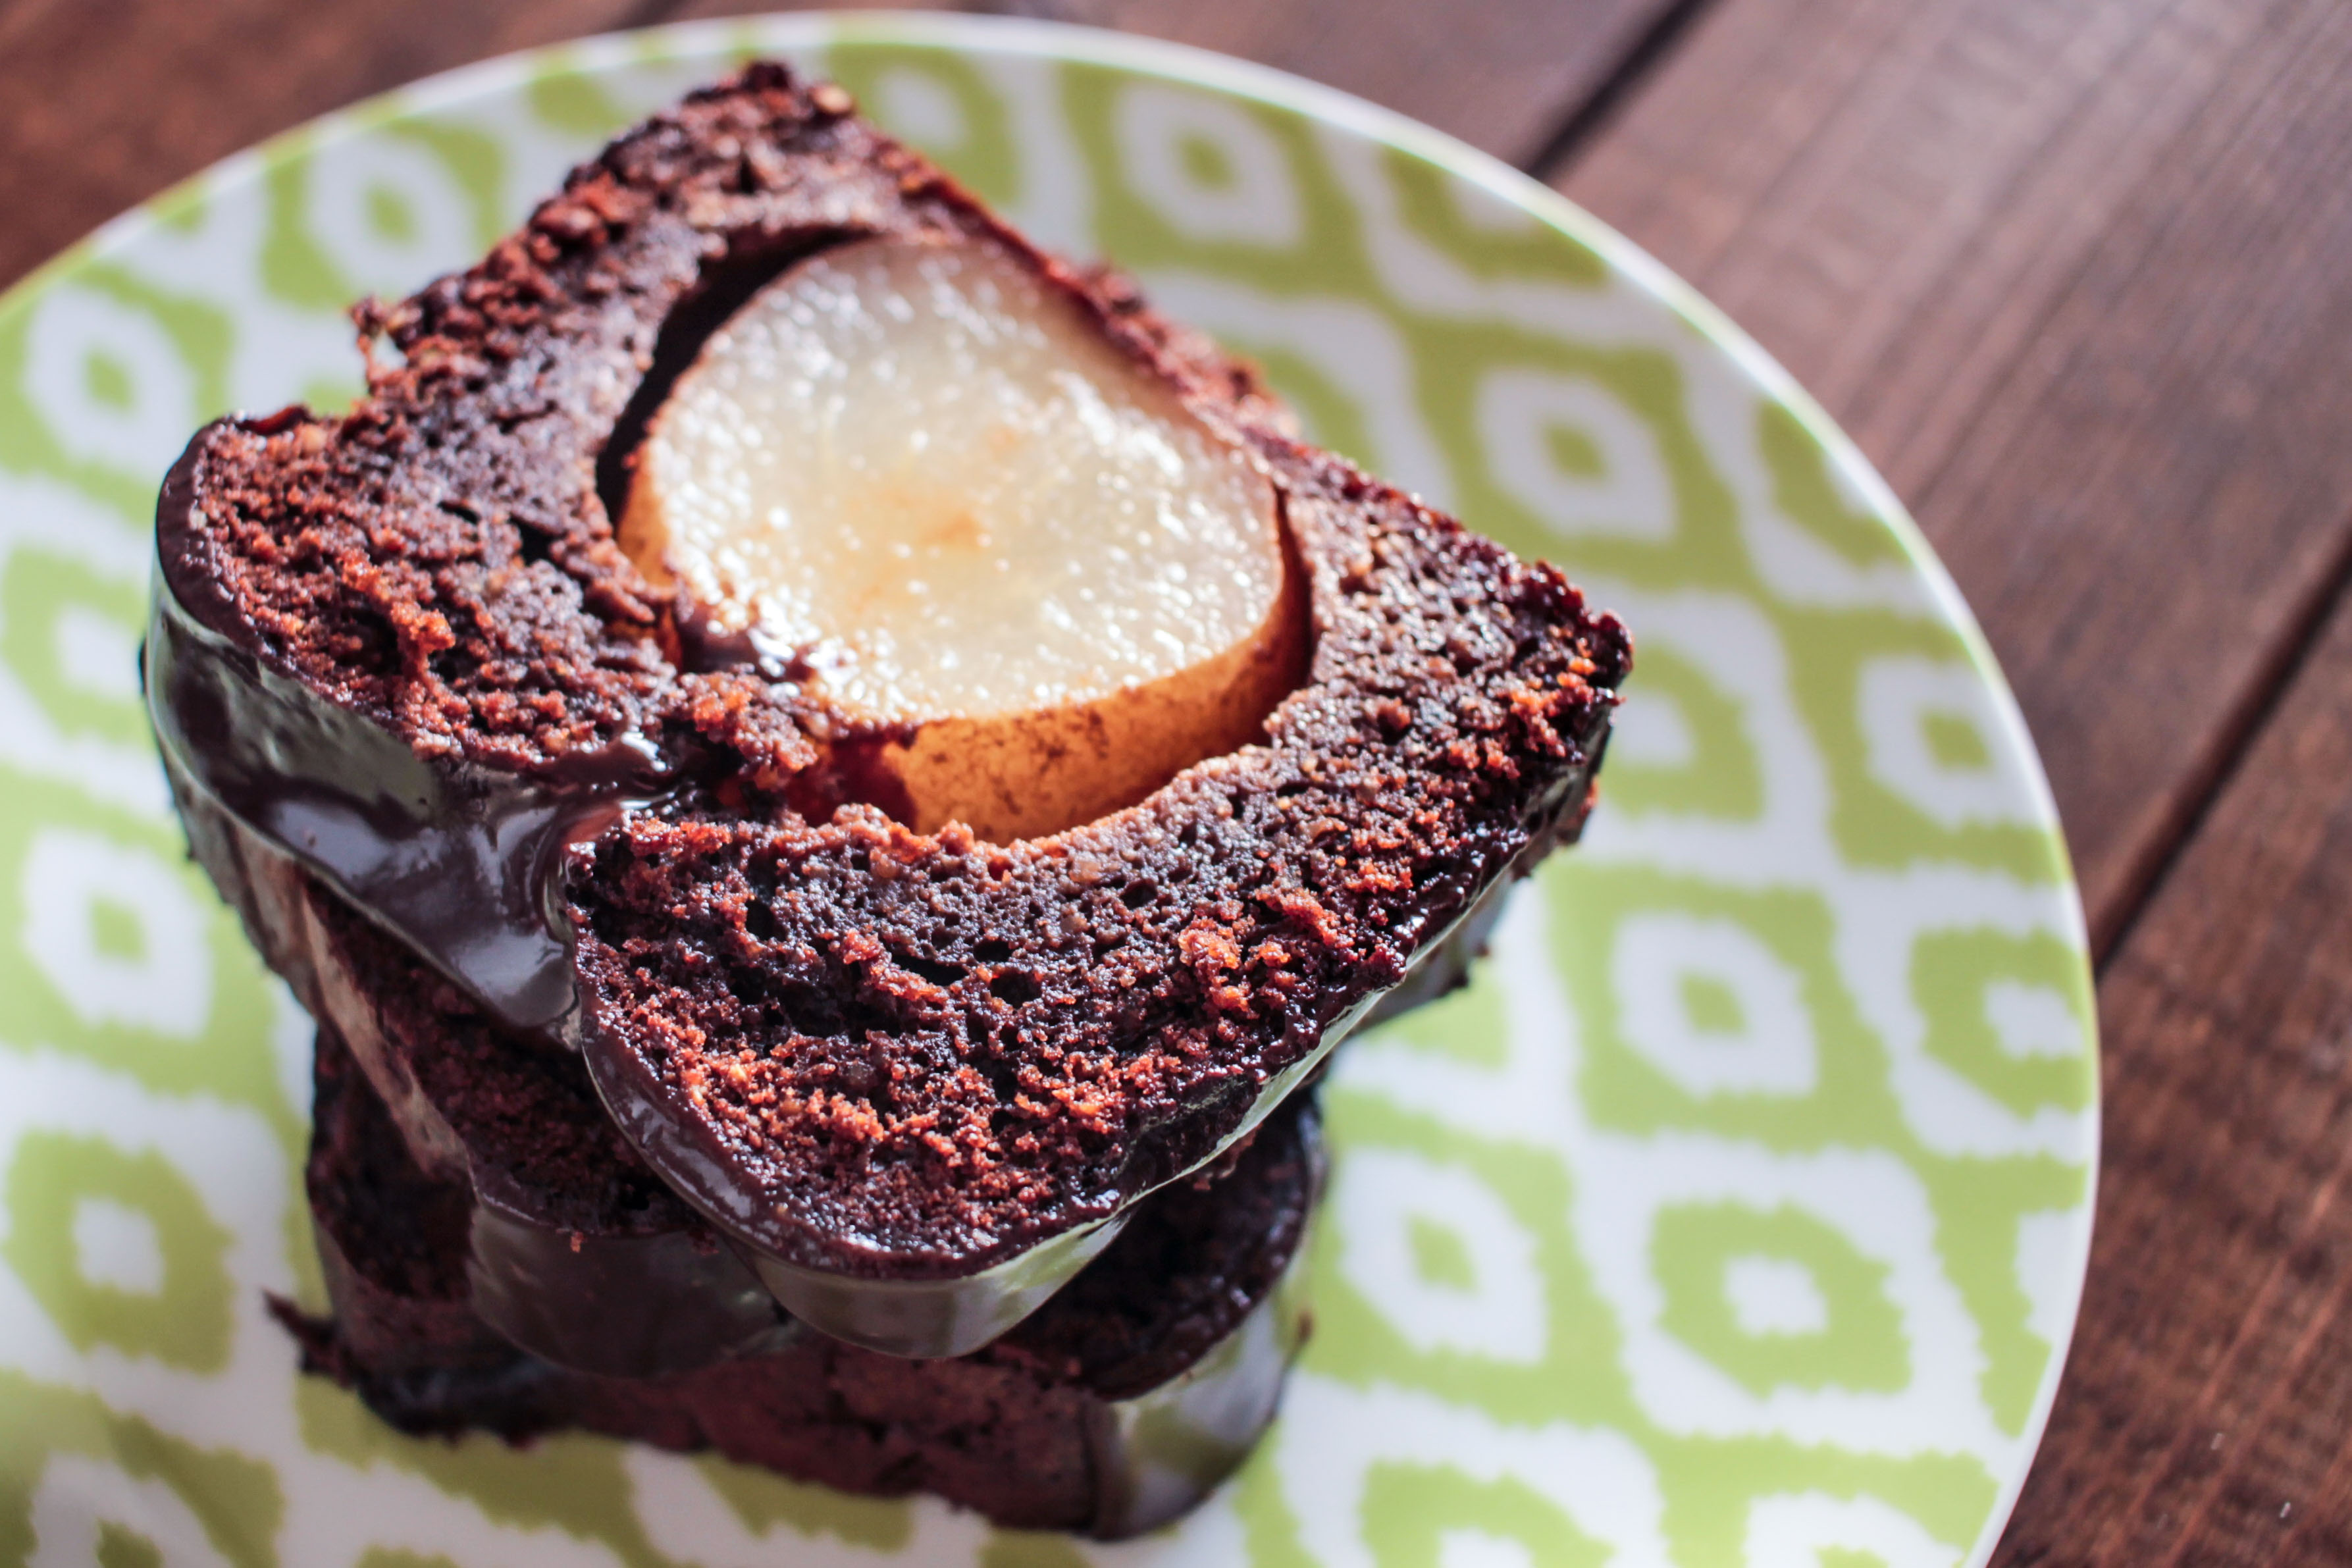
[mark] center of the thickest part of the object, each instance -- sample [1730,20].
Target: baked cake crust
[918,1079]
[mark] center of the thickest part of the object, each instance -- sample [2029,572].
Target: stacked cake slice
[1116,1406]
[829,779]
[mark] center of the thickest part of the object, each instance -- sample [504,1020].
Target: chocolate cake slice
[1114,1408]
[917,1077]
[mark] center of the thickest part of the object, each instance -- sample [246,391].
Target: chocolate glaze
[572,1250]
[454,856]
[1113,1409]
[438,567]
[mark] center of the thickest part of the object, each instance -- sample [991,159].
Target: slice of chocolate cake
[1114,1408]
[917,1076]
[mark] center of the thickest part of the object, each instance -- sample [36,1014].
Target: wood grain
[1503,75]
[105,102]
[2204,1414]
[2060,265]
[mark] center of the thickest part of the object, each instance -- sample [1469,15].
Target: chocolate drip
[586,1263]
[454,857]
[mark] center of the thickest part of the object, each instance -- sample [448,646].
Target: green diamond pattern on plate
[1735,1214]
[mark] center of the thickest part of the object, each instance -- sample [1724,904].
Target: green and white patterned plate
[1736,1214]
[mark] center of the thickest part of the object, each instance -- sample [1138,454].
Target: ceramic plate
[1736,1213]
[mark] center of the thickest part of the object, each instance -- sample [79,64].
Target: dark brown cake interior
[366,1186]
[521,1109]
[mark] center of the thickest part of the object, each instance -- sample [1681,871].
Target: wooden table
[2078,276]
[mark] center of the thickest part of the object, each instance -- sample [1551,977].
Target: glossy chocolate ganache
[915,1079]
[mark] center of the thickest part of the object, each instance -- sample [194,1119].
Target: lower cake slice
[1138,1388]
[574,1250]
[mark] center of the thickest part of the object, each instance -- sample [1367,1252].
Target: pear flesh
[1001,544]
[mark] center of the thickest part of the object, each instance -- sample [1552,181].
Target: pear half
[1001,544]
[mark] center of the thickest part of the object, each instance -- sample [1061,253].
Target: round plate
[1736,1213]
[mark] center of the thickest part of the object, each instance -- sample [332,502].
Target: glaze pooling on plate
[1737,1211]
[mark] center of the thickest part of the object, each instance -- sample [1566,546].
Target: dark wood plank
[104,103]
[2203,1417]
[2064,269]
[1503,75]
